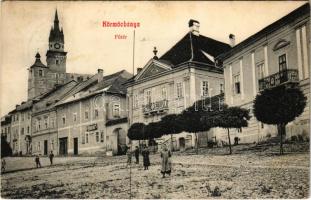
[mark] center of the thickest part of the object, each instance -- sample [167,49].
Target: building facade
[278,54]
[168,85]
[83,115]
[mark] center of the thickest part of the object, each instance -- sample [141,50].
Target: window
[83,138]
[236,80]
[96,113]
[64,120]
[260,70]
[221,86]
[22,116]
[22,131]
[102,136]
[28,115]
[52,144]
[164,93]
[262,125]
[39,147]
[52,122]
[204,89]
[17,117]
[179,90]
[40,72]
[28,129]
[116,110]
[135,101]
[46,122]
[282,62]
[148,97]
[97,136]
[86,114]
[57,62]
[74,117]
[39,124]
[86,138]
[239,130]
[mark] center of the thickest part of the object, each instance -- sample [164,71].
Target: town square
[159,100]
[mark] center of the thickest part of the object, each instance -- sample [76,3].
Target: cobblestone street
[244,175]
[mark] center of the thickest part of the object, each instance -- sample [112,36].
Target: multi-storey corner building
[184,74]
[93,118]
[278,54]
[44,121]
[6,127]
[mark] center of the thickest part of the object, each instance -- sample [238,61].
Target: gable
[153,67]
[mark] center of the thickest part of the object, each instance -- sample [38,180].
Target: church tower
[37,78]
[56,56]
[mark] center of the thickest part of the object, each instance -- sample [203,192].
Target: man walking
[51,156]
[37,160]
[136,152]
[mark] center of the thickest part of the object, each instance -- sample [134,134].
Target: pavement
[241,175]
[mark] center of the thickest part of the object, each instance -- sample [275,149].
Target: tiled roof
[194,48]
[111,83]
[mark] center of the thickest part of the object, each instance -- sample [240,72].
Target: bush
[300,138]
[294,138]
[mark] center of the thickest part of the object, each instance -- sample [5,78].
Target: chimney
[232,40]
[139,70]
[194,27]
[100,75]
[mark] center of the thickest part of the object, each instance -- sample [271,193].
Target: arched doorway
[120,141]
[182,143]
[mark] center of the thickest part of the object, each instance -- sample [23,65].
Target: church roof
[38,62]
[56,34]
[193,48]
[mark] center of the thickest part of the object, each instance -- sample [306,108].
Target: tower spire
[56,21]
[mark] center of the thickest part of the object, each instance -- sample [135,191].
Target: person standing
[37,160]
[51,156]
[166,161]
[3,163]
[136,152]
[129,156]
[146,160]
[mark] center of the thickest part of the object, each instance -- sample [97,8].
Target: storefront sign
[91,127]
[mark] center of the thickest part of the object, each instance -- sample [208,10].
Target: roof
[194,48]
[49,99]
[110,84]
[38,62]
[302,10]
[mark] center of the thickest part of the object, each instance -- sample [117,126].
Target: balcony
[157,107]
[280,78]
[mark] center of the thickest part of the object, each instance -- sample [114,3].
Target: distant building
[184,74]
[278,54]
[43,78]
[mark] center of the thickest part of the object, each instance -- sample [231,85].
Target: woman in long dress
[146,160]
[166,161]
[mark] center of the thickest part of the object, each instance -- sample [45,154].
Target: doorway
[45,147]
[75,146]
[182,143]
[63,146]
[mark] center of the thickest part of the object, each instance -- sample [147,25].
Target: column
[305,52]
[299,58]
[241,79]
[266,61]
[254,74]
[230,85]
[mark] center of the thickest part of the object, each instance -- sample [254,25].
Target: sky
[25,27]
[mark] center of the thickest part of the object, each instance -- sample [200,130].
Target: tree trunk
[229,142]
[171,142]
[283,133]
[196,143]
[207,139]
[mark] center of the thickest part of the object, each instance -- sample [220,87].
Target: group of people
[37,159]
[166,164]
